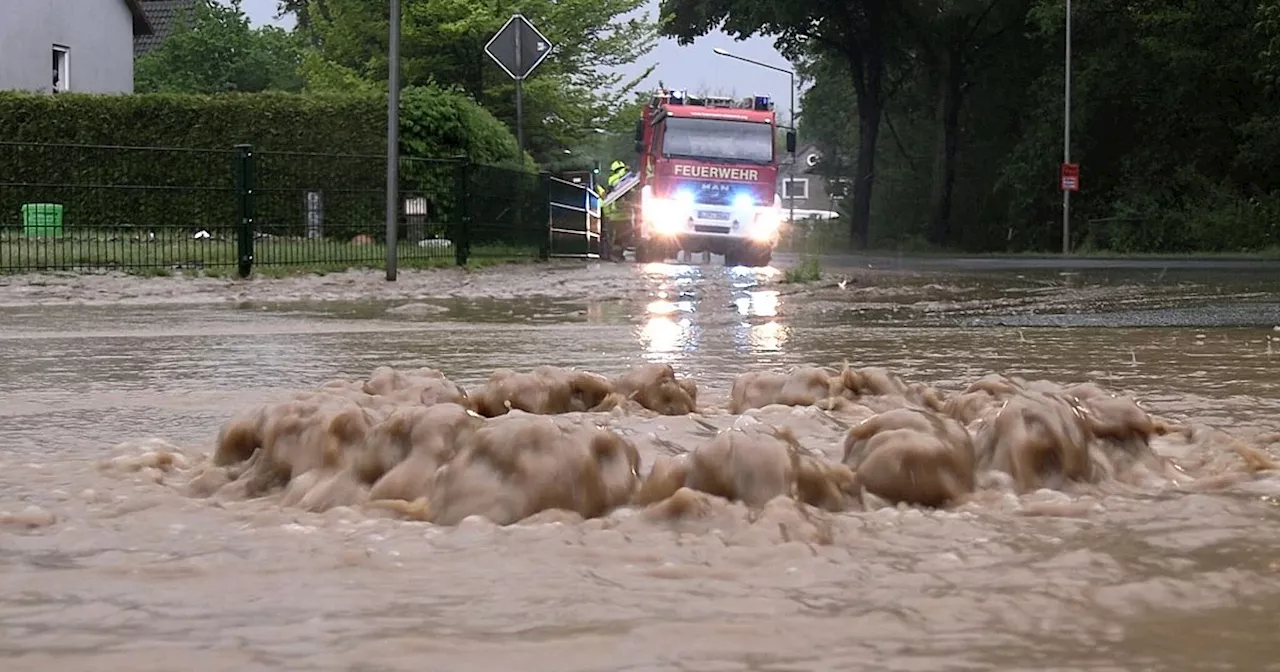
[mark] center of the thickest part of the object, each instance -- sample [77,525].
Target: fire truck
[707,178]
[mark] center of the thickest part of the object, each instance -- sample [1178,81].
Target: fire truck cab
[708,178]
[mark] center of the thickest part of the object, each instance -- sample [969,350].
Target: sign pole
[393,138]
[507,48]
[1066,143]
[519,97]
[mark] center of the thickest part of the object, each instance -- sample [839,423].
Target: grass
[214,257]
[817,241]
[808,270]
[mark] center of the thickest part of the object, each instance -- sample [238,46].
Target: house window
[61,68]
[797,188]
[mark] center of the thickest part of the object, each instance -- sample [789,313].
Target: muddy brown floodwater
[113,392]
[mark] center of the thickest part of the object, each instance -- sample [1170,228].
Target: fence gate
[574,219]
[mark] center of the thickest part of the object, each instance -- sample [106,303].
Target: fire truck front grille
[709,228]
[709,193]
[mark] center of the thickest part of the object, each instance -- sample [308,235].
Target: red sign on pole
[1069,175]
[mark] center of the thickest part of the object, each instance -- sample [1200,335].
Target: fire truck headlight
[767,224]
[743,202]
[667,225]
[684,198]
[666,216]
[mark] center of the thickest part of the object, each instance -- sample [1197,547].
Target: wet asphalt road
[1143,292]
[1210,316]
[1045,263]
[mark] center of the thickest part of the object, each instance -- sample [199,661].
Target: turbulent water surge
[709,472]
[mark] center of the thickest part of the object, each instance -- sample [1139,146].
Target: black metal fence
[158,209]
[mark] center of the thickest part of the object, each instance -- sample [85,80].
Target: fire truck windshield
[718,139]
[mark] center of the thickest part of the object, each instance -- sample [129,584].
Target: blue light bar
[762,102]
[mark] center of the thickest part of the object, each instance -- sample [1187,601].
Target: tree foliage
[442,43]
[1173,123]
[215,50]
[340,46]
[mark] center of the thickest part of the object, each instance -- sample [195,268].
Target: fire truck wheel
[761,256]
[751,256]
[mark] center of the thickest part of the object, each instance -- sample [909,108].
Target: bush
[436,123]
[270,121]
[166,161]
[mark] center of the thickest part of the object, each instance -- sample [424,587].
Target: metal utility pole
[791,170]
[1066,143]
[393,139]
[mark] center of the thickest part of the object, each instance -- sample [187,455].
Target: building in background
[85,46]
[813,195]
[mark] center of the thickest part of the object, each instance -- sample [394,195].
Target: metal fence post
[544,181]
[462,227]
[595,225]
[244,208]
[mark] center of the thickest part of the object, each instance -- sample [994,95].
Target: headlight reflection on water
[758,304]
[664,336]
[664,307]
[765,337]
[676,323]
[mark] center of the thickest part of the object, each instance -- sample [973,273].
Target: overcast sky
[693,67]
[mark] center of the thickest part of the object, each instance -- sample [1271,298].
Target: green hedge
[133,165]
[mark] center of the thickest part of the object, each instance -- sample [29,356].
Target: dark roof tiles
[140,24]
[162,15]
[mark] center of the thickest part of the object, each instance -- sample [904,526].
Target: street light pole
[393,137]
[791,169]
[1066,142]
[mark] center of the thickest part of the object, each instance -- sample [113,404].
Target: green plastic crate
[42,219]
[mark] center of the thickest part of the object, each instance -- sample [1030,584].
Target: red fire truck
[707,178]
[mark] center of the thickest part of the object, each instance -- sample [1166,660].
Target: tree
[215,50]
[1160,94]
[901,163]
[1173,122]
[859,33]
[443,43]
[952,42]
[302,11]
[612,140]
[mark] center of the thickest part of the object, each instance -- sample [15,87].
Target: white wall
[99,33]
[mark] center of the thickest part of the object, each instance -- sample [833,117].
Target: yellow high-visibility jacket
[611,211]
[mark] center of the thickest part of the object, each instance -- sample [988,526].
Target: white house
[70,45]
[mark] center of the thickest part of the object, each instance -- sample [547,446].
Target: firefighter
[617,225]
[616,172]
